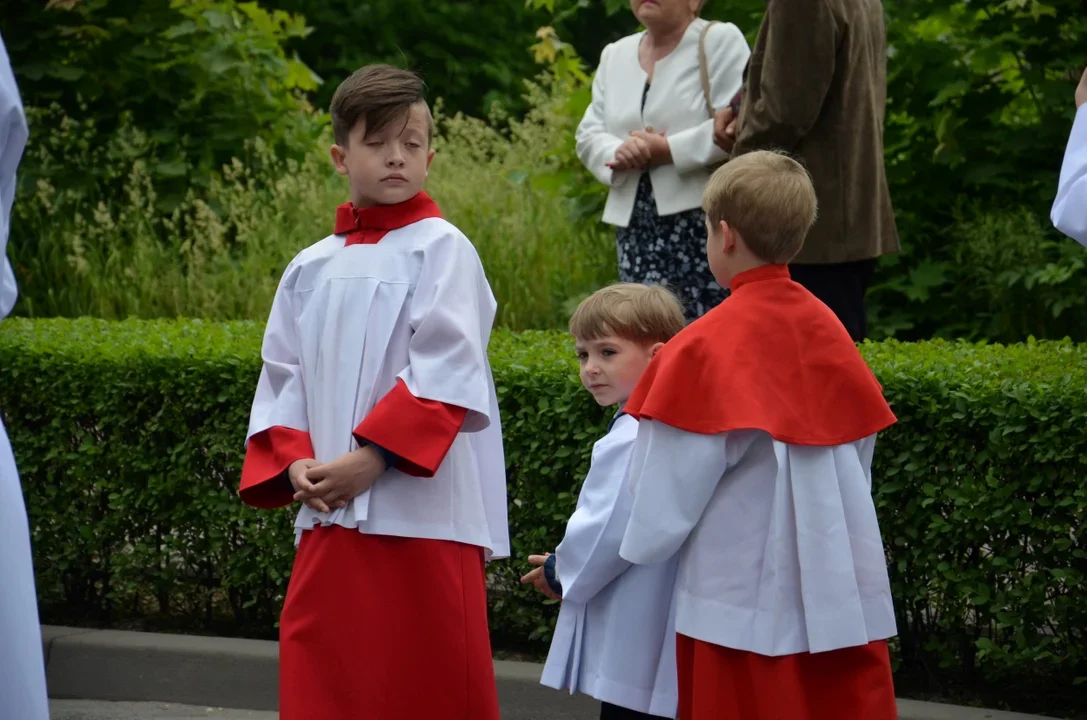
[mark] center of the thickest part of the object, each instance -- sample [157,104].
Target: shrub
[219,253]
[129,441]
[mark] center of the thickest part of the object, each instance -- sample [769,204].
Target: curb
[119,665]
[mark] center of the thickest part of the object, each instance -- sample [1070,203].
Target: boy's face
[390,165]
[612,366]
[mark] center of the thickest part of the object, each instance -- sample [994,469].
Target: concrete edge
[119,665]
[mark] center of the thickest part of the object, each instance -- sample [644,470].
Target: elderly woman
[648,136]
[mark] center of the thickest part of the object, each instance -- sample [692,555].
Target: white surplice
[780,548]
[22,669]
[345,324]
[1069,213]
[615,635]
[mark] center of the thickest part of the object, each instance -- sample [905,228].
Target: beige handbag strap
[703,70]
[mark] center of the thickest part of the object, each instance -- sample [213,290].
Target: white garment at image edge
[615,637]
[1069,213]
[22,667]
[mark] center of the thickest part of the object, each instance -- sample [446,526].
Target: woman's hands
[641,150]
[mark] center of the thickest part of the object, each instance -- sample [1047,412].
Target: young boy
[377,410]
[1069,212]
[756,430]
[615,637]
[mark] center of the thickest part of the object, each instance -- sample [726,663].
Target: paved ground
[100,710]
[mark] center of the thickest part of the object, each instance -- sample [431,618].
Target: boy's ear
[429,158]
[656,347]
[339,157]
[728,237]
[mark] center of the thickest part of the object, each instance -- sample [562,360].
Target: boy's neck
[742,265]
[364,203]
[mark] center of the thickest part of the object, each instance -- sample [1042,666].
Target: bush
[129,441]
[219,253]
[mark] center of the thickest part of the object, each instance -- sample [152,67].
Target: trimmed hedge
[129,440]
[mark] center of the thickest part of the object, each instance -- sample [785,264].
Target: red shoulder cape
[771,357]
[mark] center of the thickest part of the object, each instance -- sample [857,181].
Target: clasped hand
[329,486]
[641,150]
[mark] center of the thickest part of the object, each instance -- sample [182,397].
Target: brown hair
[639,313]
[376,95]
[768,198]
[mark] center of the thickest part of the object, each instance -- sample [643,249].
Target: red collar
[369,225]
[763,272]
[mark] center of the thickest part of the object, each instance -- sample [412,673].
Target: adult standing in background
[22,670]
[649,136]
[1069,213]
[817,89]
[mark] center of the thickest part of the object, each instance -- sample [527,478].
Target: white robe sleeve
[673,475]
[588,559]
[280,399]
[1069,213]
[13,137]
[726,56]
[595,145]
[451,315]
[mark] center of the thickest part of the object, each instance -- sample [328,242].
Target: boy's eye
[582,355]
[608,353]
[414,145]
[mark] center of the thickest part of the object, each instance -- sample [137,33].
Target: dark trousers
[614,712]
[842,287]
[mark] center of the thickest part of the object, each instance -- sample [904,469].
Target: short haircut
[640,313]
[768,198]
[377,95]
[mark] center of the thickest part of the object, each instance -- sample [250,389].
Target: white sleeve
[673,475]
[1069,213]
[451,314]
[280,399]
[13,136]
[588,559]
[595,145]
[726,57]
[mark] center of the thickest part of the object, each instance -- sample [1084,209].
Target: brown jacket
[817,88]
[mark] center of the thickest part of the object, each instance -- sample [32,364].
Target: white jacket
[615,638]
[675,105]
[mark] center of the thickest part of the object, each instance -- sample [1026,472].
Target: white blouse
[675,105]
[1069,213]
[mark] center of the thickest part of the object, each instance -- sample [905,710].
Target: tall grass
[109,249]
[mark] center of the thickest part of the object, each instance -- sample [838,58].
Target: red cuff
[420,432]
[269,454]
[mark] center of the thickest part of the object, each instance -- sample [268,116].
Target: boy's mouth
[395,178]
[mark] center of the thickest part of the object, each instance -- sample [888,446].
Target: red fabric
[848,684]
[269,454]
[367,226]
[770,357]
[383,628]
[420,432]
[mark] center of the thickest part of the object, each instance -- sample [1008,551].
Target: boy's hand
[336,483]
[536,577]
[297,475]
[1081,91]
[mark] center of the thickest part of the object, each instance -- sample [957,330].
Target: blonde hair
[767,197]
[632,311]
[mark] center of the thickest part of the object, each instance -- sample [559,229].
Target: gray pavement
[118,675]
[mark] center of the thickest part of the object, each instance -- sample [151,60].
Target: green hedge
[129,440]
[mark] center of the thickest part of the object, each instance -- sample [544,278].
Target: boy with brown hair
[615,637]
[757,426]
[376,409]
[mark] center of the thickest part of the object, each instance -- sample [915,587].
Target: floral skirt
[669,251]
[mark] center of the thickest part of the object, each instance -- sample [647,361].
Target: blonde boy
[757,426]
[615,639]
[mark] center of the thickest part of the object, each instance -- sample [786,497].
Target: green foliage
[219,253]
[197,78]
[129,440]
[471,55]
